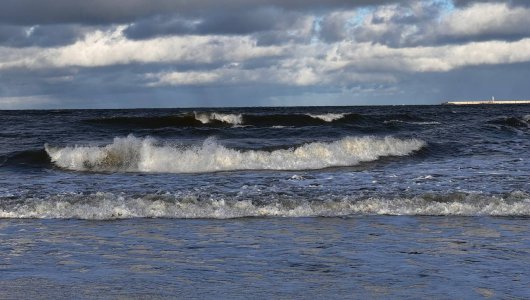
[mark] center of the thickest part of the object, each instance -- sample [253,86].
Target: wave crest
[132,154]
[206,118]
[327,117]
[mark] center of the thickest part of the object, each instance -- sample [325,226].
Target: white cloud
[105,48]
[346,63]
[486,18]
[368,56]
[182,78]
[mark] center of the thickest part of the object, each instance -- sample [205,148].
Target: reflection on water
[360,256]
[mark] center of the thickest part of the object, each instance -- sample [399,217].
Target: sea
[364,202]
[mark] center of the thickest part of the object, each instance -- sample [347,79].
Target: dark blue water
[266,202]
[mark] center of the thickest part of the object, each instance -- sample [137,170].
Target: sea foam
[103,206]
[132,154]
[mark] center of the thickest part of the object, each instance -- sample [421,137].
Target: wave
[196,119]
[206,118]
[214,119]
[512,121]
[37,157]
[299,120]
[132,154]
[149,121]
[103,206]
[327,117]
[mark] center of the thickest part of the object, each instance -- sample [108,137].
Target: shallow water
[353,257]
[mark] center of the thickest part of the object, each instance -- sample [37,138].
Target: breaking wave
[206,118]
[132,154]
[327,117]
[103,206]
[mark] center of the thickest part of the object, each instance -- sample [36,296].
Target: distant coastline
[486,102]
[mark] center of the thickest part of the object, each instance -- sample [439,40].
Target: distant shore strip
[487,102]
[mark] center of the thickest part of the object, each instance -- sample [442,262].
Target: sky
[212,53]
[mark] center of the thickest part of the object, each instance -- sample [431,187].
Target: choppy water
[329,201]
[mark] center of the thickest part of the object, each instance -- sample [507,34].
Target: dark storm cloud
[459,3]
[247,22]
[31,12]
[278,37]
[42,36]
[229,23]
[160,26]
[333,28]
[269,20]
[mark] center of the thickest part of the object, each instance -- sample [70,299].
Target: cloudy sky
[179,53]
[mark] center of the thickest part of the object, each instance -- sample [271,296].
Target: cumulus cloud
[399,25]
[104,48]
[349,63]
[437,59]
[432,23]
[486,20]
[336,26]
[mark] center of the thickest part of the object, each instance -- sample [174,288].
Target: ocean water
[328,202]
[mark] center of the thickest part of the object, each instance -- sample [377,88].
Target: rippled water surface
[354,257]
[331,202]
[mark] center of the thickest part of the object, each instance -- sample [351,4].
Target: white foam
[327,117]
[414,123]
[131,154]
[206,118]
[102,206]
